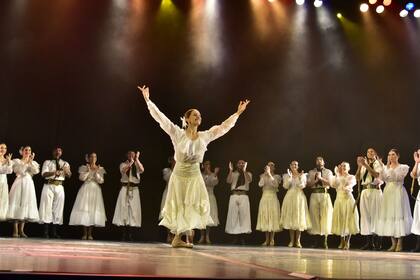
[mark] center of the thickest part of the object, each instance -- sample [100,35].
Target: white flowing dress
[187,203]
[5,168]
[211,181]
[269,208]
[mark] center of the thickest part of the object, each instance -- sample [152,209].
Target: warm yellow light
[387,2]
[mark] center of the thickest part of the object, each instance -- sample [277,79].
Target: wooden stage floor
[99,258]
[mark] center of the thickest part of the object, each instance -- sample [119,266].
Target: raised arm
[220,130]
[166,124]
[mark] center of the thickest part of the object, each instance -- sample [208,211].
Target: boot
[46,231]
[326,242]
[417,248]
[54,231]
[369,243]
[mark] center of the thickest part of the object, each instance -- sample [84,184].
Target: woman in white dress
[88,209]
[22,197]
[269,209]
[6,167]
[395,217]
[166,173]
[294,211]
[127,212]
[415,228]
[211,180]
[187,205]
[345,215]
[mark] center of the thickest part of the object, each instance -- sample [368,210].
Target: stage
[33,258]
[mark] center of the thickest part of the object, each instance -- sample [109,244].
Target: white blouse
[187,150]
[22,168]
[50,166]
[298,182]
[87,175]
[129,178]
[394,175]
[210,180]
[269,183]
[369,179]
[167,172]
[5,168]
[344,183]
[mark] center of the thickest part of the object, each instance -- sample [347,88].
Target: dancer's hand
[216,170]
[137,155]
[230,166]
[9,158]
[289,172]
[32,157]
[242,106]
[245,166]
[145,91]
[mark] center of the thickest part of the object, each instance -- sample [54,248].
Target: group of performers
[189,202]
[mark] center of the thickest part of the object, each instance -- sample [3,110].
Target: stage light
[373,2]
[387,2]
[417,13]
[318,3]
[403,13]
[409,6]
[364,7]
[271,1]
[380,9]
[300,2]
[339,15]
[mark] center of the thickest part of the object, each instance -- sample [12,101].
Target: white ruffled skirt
[214,212]
[4,200]
[128,208]
[294,211]
[345,220]
[22,200]
[187,203]
[162,203]
[88,209]
[395,218]
[269,212]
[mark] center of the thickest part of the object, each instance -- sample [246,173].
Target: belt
[239,192]
[129,191]
[130,185]
[365,187]
[54,182]
[319,190]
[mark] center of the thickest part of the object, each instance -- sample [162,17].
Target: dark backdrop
[319,85]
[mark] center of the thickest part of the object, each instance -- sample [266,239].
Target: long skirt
[345,219]
[294,211]
[187,203]
[395,218]
[22,200]
[269,212]
[370,208]
[88,209]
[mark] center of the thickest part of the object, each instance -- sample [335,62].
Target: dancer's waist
[239,192]
[184,169]
[319,190]
[54,182]
[130,185]
[370,186]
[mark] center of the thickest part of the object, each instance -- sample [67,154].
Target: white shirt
[129,178]
[5,168]
[394,175]
[344,183]
[23,169]
[325,173]
[377,167]
[96,176]
[298,182]
[50,166]
[210,180]
[235,177]
[187,150]
[269,183]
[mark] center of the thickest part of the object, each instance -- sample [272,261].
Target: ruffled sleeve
[219,130]
[33,168]
[6,168]
[170,128]
[350,183]
[83,173]
[166,174]
[99,175]
[287,181]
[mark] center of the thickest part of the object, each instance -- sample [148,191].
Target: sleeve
[170,128]
[122,167]
[287,181]
[351,182]
[166,174]
[214,180]
[334,182]
[302,181]
[219,130]
[83,173]
[6,168]
[262,180]
[33,168]
[402,172]
[250,175]
[45,167]
[99,175]
[311,177]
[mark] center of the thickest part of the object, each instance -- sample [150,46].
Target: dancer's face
[272,166]
[131,155]
[3,149]
[194,118]
[371,154]
[57,153]
[393,157]
[319,162]
[93,158]
[27,151]
[294,166]
[344,167]
[240,165]
[207,165]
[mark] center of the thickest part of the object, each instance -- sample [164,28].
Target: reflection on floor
[159,260]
